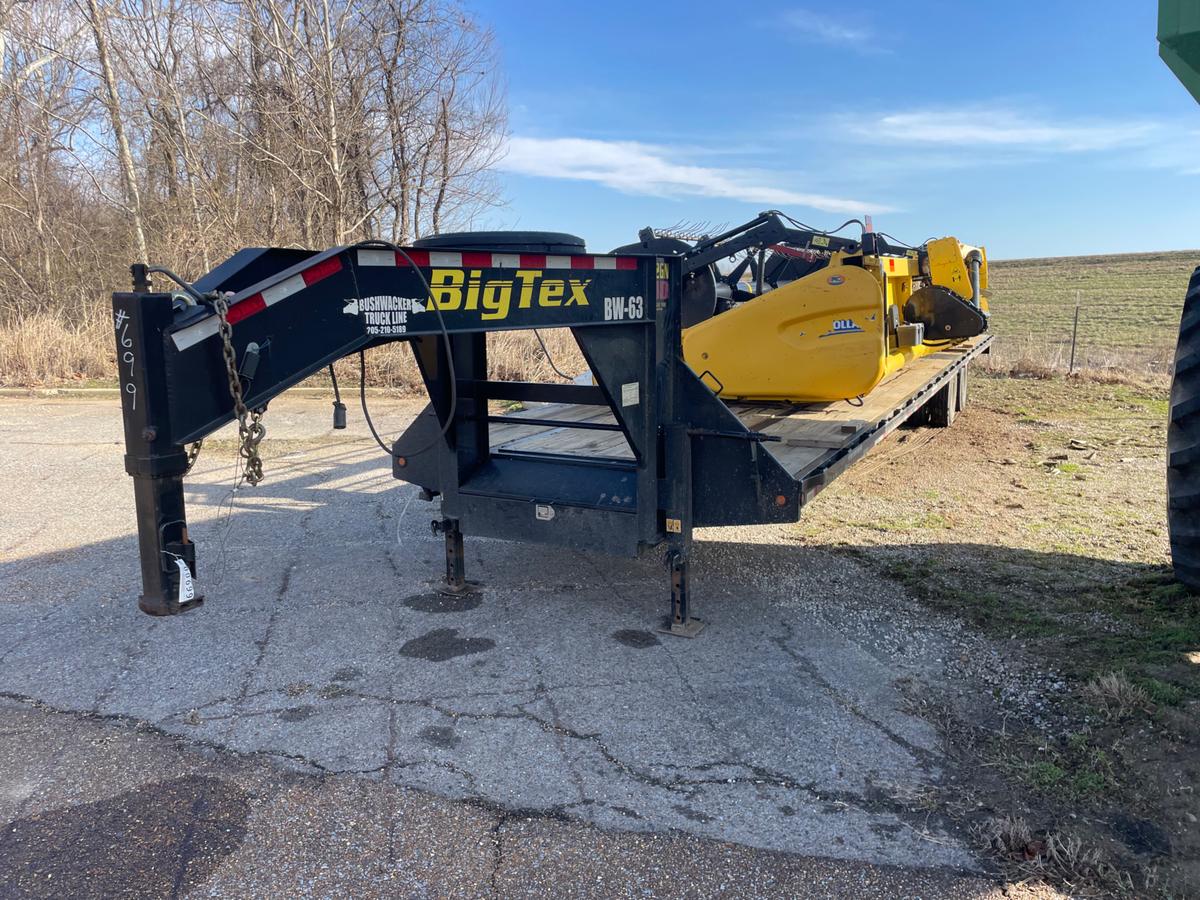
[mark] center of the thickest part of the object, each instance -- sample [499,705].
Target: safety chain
[193,454]
[251,430]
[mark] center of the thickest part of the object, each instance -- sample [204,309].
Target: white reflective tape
[506,261]
[194,334]
[604,262]
[277,292]
[447,260]
[558,262]
[376,258]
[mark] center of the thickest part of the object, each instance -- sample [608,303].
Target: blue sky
[1036,128]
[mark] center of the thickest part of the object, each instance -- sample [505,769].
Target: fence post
[1074,336]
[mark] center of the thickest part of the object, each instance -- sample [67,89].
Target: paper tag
[187,590]
[629,394]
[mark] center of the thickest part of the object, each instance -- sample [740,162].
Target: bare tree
[133,199]
[176,131]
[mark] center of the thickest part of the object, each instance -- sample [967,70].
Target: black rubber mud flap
[1183,445]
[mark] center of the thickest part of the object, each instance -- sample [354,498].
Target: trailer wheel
[1183,444]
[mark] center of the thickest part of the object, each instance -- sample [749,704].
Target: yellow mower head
[837,332]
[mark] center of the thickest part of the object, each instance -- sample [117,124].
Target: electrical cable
[806,227]
[549,358]
[337,395]
[897,241]
[362,358]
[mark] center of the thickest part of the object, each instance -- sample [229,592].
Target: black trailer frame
[692,461]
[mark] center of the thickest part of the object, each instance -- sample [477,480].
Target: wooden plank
[575,441]
[812,433]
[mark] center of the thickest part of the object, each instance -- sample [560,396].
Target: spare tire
[554,243]
[1183,444]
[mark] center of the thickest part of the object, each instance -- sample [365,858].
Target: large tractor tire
[1183,445]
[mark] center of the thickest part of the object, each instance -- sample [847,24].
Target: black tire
[546,242]
[1183,444]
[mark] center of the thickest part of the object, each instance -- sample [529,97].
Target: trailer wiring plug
[339,408]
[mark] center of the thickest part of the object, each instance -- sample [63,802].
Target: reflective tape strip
[194,334]
[285,288]
[244,309]
[248,306]
[469,259]
[376,258]
[255,303]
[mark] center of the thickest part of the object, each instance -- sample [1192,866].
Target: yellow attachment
[832,335]
[948,265]
[822,337]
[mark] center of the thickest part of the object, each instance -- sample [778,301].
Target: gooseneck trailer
[633,458]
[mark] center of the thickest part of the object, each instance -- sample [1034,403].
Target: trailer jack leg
[456,575]
[680,622]
[168,556]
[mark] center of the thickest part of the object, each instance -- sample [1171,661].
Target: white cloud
[1000,127]
[819,27]
[636,168]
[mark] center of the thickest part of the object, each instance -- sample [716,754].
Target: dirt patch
[1039,519]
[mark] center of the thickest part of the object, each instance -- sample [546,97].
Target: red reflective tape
[582,262]
[243,309]
[532,261]
[626,262]
[321,270]
[420,258]
[477,260]
[891,265]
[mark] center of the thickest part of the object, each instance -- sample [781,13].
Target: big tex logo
[454,289]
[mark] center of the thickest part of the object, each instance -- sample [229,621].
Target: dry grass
[42,349]
[1116,695]
[512,356]
[1055,857]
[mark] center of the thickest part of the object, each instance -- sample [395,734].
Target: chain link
[251,430]
[193,454]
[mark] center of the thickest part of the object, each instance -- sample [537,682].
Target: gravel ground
[537,737]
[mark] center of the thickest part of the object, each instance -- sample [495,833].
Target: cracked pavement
[545,701]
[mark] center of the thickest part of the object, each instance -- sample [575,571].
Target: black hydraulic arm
[765,230]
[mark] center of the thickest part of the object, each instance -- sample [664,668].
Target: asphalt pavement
[327,724]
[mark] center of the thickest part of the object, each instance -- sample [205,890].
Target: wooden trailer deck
[816,440]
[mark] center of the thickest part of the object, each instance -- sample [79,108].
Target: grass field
[1129,308]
